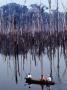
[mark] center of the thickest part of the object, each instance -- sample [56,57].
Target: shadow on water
[28,49]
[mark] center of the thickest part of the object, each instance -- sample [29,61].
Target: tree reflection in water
[37,46]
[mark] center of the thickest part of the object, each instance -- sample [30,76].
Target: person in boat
[49,79]
[42,77]
[29,75]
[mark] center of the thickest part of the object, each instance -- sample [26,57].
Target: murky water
[13,70]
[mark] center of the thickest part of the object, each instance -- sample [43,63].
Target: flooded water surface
[13,69]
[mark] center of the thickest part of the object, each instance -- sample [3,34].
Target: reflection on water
[17,62]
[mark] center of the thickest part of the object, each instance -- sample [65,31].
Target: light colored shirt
[29,76]
[49,78]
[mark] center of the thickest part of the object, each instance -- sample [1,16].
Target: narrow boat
[40,82]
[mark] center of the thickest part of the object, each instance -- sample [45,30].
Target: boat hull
[43,82]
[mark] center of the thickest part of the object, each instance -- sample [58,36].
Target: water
[13,70]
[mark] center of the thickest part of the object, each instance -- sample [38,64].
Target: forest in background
[16,17]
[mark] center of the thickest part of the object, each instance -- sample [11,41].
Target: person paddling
[49,78]
[29,75]
[42,77]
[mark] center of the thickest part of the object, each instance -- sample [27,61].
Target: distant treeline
[35,18]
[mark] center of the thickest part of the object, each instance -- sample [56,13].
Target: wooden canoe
[40,82]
